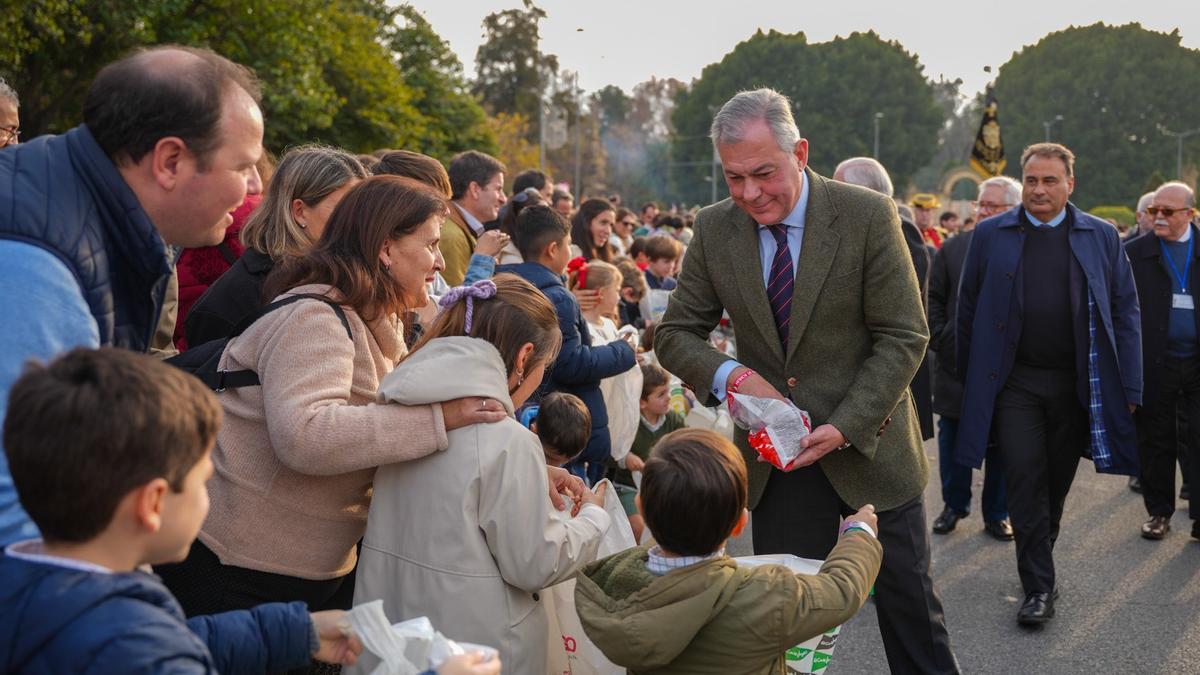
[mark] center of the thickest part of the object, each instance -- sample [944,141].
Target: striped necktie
[783,280]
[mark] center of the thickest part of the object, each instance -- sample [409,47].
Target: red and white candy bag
[775,425]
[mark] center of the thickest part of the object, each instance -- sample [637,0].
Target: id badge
[1182,301]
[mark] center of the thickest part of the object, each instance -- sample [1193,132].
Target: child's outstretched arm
[578,362]
[270,638]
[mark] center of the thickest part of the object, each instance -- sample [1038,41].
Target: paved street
[1128,605]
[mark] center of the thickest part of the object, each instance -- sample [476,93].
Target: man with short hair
[815,275]
[1049,344]
[167,150]
[477,193]
[10,120]
[996,195]
[1145,222]
[562,202]
[1164,269]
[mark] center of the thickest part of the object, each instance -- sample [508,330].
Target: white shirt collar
[472,221]
[796,217]
[659,565]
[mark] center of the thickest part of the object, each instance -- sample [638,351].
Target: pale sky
[625,42]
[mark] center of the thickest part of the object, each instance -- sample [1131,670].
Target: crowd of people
[294,387]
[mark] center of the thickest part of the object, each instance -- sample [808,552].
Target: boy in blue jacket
[544,239]
[109,451]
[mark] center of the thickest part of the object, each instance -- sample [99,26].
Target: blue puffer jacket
[580,366]
[58,620]
[64,195]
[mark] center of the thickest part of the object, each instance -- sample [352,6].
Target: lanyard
[1187,266]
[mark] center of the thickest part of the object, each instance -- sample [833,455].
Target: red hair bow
[579,265]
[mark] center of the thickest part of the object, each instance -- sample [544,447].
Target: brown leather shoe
[1157,527]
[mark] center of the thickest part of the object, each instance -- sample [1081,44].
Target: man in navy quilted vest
[91,221]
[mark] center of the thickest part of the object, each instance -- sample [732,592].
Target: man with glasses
[477,192]
[1048,341]
[1165,271]
[996,195]
[10,121]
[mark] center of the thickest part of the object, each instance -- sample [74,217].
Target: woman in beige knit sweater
[296,456]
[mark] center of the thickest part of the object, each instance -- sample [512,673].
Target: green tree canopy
[836,88]
[512,73]
[1116,87]
[328,67]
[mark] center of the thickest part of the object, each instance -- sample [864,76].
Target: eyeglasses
[9,135]
[1166,213]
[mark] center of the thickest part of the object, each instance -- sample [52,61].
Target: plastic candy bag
[406,648]
[776,426]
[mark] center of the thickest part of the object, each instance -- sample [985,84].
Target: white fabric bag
[813,655]
[621,394]
[581,656]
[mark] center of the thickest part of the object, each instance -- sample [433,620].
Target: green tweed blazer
[858,333]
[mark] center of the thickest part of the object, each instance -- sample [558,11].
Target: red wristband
[734,387]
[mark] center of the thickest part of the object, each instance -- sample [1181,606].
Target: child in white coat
[465,536]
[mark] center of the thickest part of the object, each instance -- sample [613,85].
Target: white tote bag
[621,395]
[574,653]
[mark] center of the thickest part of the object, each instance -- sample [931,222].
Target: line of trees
[366,74]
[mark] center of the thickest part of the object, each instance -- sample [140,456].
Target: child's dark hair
[693,491]
[564,424]
[517,315]
[637,247]
[537,226]
[85,430]
[662,247]
[653,377]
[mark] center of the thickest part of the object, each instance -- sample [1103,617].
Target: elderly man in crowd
[168,148]
[1049,342]
[1145,222]
[818,282]
[1164,268]
[996,195]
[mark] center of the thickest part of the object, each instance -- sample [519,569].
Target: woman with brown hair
[296,456]
[591,228]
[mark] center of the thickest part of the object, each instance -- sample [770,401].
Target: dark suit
[857,335]
[947,389]
[1169,382]
[1041,415]
[921,387]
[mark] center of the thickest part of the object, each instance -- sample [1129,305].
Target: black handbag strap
[267,309]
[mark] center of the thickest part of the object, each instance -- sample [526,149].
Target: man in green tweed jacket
[827,312]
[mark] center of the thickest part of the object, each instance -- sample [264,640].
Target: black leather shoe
[1196,529]
[999,529]
[1185,492]
[1037,609]
[947,521]
[1135,484]
[1156,528]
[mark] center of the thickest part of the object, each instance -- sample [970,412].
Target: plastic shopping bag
[407,648]
[812,655]
[621,393]
[776,426]
[654,304]
[715,419]
[583,657]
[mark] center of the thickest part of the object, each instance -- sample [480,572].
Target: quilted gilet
[64,195]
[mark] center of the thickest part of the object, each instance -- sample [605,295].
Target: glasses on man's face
[1166,213]
[9,135]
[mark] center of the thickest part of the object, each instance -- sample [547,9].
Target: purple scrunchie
[483,289]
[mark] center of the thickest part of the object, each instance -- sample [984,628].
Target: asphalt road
[1127,605]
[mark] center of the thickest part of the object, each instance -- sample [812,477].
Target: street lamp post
[1051,123]
[878,116]
[1179,136]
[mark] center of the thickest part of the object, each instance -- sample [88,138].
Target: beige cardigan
[296,457]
